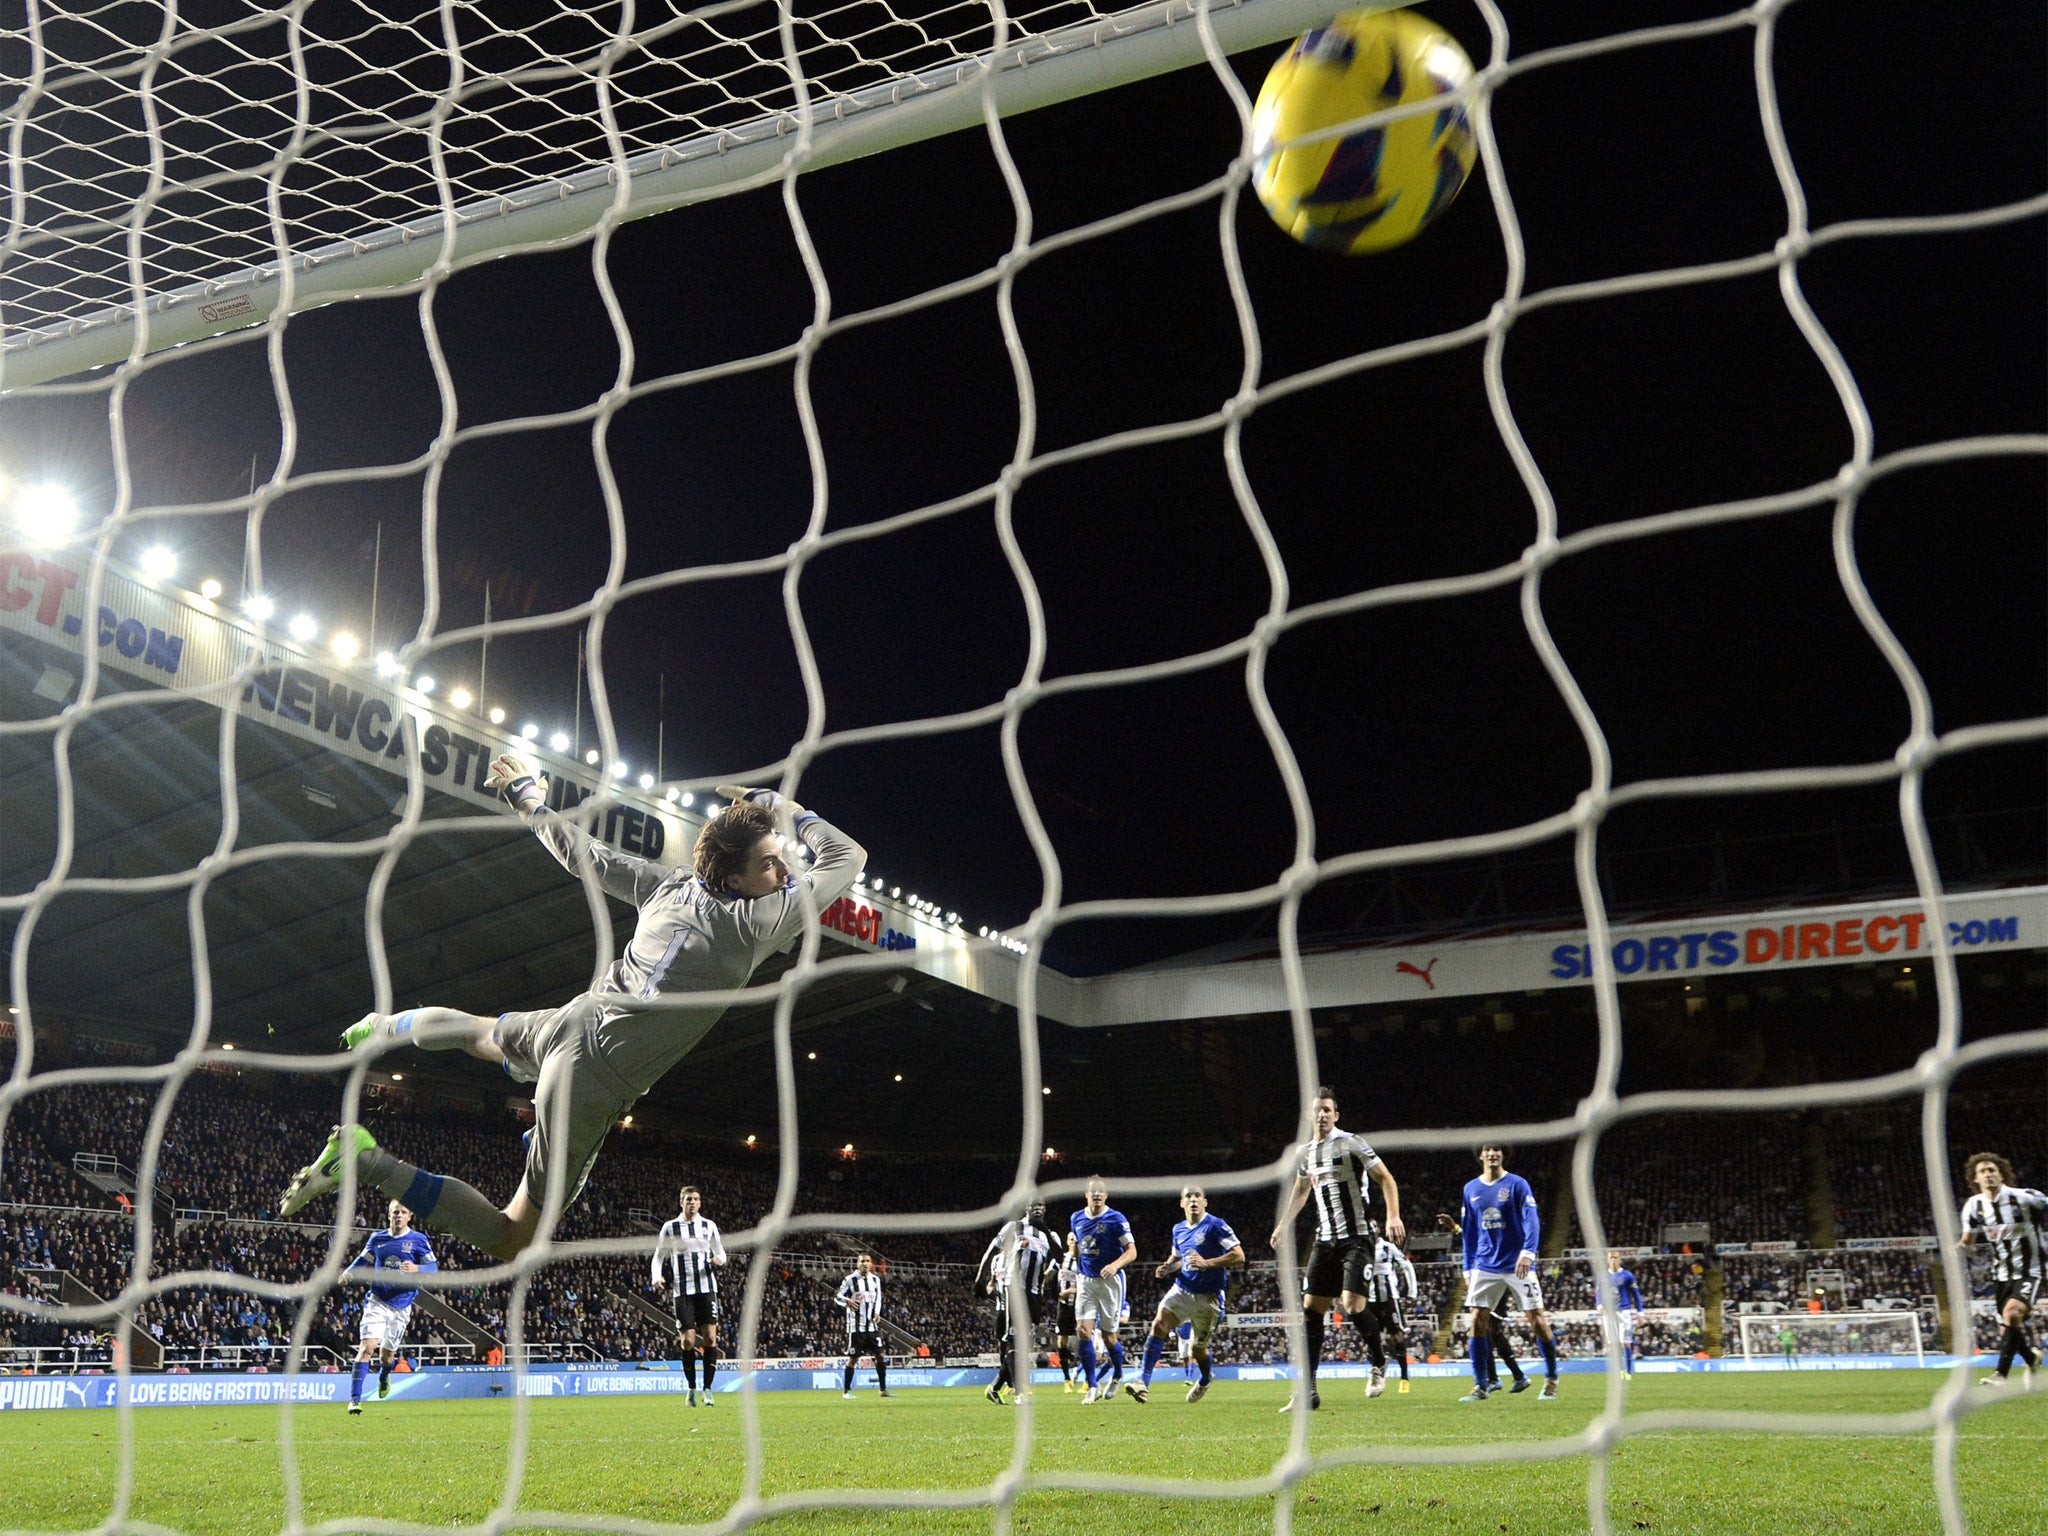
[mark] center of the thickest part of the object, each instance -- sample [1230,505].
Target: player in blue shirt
[1100,1243]
[387,1307]
[1501,1230]
[1628,1301]
[1205,1251]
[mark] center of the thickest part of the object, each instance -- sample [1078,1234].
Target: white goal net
[193,182]
[1795,1337]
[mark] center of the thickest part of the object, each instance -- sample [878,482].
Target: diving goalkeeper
[700,930]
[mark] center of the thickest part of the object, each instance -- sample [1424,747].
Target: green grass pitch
[218,1471]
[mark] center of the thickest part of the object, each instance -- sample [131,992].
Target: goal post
[50,330]
[1795,1336]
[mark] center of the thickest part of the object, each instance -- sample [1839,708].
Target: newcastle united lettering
[334,707]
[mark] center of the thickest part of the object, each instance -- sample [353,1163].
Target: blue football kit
[1500,1224]
[1212,1238]
[388,1250]
[1099,1240]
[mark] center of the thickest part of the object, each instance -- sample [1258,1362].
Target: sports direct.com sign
[1431,970]
[1874,937]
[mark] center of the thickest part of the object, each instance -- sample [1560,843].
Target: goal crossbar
[1038,71]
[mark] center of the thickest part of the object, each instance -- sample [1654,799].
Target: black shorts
[693,1312]
[2028,1291]
[1387,1313]
[1337,1267]
[1067,1323]
[858,1344]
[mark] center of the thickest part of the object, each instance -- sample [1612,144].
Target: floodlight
[531,732]
[159,562]
[210,590]
[590,757]
[259,607]
[387,664]
[303,627]
[461,698]
[559,741]
[497,715]
[46,513]
[346,647]
[424,683]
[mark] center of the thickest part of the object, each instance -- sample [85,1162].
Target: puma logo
[1419,970]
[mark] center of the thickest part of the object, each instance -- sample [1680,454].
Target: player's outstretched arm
[620,875]
[837,861]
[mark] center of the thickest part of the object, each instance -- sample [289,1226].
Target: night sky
[1712,650]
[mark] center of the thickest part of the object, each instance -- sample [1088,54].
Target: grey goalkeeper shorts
[576,1098]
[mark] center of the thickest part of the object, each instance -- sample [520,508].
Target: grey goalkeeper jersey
[688,938]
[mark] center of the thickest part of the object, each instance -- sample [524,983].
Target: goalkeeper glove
[522,784]
[764,797]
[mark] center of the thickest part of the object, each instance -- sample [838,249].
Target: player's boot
[353,1037]
[1067,1385]
[1088,1397]
[383,1385]
[1139,1393]
[1198,1391]
[1404,1383]
[994,1393]
[693,1397]
[710,1399]
[1478,1394]
[1521,1385]
[885,1392]
[1315,1401]
[1378,1383]
[1995,1383]
[355,1407]
[1549,1390]
[324,1172]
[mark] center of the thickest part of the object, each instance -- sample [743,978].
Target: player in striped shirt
[1013,1271]
[860,1298]
[1393,1277]
[1065,1326]
[1337,1169]
[692,1246]
[2012,1221]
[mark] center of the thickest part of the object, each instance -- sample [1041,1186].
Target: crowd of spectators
[232,1140]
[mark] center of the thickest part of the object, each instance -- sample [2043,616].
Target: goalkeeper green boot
[324,1172]
[358,1032]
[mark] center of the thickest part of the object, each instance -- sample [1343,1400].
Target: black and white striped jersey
[861,1296]
[690,1245]
[2012,1223]
[1024,1245]
[1388,1263]
[1336,1167]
